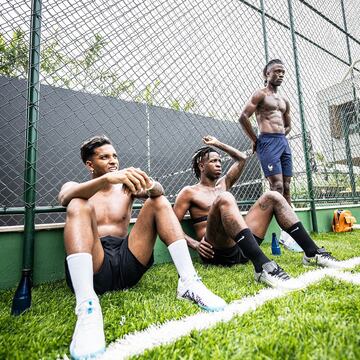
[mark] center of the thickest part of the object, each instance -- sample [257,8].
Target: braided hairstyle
[271,62]
[198,157]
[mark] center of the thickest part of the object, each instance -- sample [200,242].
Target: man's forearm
[247,127]
[83,191]
[234,153]
[192,243]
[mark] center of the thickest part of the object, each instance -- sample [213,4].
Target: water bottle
[275,247]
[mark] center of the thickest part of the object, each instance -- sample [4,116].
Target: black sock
[258,240]
[300,235]
[247,243]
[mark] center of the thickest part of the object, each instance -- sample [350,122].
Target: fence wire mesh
[156,76]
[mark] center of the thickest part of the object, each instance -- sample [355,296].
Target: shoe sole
[278,286]
[323,266]
[91,356]
[283,287]
[206,308]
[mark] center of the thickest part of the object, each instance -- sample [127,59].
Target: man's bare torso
[269,113]
[113,211]
[201,201]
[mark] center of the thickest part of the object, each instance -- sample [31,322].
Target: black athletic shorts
[120,269]
[229,256]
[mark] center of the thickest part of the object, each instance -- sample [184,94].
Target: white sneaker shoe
[194,290]
[289,243]
[273,275]
[88,340]
[323,258]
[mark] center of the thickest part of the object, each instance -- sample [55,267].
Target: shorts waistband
[265,134]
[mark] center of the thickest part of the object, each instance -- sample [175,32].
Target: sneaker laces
[326,254]
[194,286]
[280,273]
[87,313]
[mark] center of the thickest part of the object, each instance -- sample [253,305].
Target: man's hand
[210,140]
[134,179]
[205,249]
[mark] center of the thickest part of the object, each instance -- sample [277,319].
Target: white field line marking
[156,335]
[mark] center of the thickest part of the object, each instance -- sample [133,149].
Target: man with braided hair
[224,237]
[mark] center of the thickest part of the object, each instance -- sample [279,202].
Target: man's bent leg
[85,253]
[267,271]
[84,250]
[272,203]
[225,223]
[157,216]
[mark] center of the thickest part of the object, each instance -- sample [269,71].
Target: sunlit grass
[321,322]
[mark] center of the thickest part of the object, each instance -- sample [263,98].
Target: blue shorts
[274,153]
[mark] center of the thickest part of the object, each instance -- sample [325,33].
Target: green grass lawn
[320,322]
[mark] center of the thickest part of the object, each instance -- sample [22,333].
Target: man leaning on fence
[101,256]
[273,118]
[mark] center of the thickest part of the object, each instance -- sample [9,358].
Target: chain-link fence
[156,76]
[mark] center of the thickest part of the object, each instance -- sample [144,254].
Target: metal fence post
[302,118]
[346,118]
[263,22]
[22,297]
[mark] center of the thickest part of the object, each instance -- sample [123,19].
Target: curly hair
[271,62]
[88,146]
[198,157]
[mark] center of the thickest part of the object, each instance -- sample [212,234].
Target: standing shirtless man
[223,236]
[273,117]
[102,256]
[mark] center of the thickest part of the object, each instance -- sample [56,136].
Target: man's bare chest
[112,207]
[204,200]
[273,103]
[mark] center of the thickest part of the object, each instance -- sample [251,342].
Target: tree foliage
[83,72]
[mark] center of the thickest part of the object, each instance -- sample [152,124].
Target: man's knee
[78,207]
[274,196]
[225,198]
[159,202]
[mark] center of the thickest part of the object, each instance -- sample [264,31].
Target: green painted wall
[49,249]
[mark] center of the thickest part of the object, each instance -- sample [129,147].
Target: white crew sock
[181,257]
[81,272]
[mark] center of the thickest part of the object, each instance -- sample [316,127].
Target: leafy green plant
[82,72]
[14,55]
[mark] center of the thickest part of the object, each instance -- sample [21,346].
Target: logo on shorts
[270,167]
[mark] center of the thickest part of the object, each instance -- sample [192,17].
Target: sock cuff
[243,234]
[78,255]
[177,243]
[293,227]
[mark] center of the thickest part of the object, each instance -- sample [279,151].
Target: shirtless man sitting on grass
[102,256]
[223,236]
